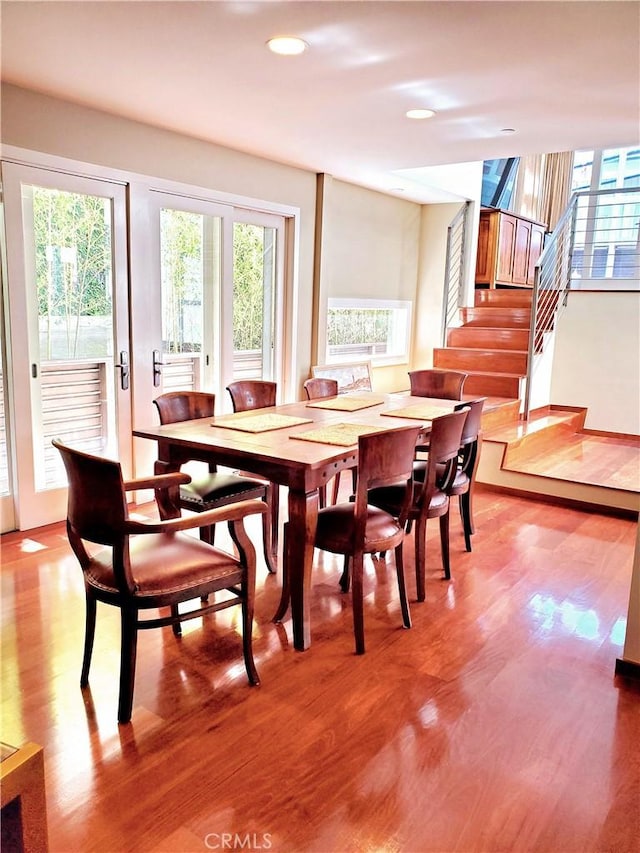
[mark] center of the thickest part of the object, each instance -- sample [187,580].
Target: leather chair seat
[389,497]
[335,528]
[186,562]
[216,488]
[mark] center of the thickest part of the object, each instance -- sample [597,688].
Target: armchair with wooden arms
[149,565]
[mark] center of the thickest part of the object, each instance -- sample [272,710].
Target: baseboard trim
[625,436]
[627,668]
[559,500]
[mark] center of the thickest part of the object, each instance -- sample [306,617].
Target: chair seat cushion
[389,498]
[335,529]
[217,489]
[185,564]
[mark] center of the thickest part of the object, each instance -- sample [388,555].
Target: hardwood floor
[494,724]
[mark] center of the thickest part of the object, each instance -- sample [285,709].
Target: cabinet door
[486,249]
[504,271]
[536,245]
[521,251]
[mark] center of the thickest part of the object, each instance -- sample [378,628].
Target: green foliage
[357,326]
[248,286]
[72,244]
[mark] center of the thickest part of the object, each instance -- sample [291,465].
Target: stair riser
[477,338]
[483,360]
[501,416]
[514,318]
[492,386]
[503,298]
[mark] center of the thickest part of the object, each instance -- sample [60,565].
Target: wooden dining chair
[431,495]
[213,488]
[246,395]
[355,528]
[320,388]
[434,382]
[149,565]
[469,456]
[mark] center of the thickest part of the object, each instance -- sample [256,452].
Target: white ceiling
[565,75]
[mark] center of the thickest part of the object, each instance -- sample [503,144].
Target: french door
[216,307]
[69,321]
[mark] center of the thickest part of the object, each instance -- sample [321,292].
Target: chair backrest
[317,388]
[444,446]
[249,394]
[443,384]
[96,504]
[350,377]
[384,459]
[175,406]
[472,424]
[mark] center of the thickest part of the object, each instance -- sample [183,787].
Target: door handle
[158,364]
[124,369]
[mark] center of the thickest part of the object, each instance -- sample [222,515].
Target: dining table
[299,445]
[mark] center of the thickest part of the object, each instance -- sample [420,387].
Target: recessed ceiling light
[287,45]
[420,113]
[508,130]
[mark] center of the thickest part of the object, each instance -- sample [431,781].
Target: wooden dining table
[292,445]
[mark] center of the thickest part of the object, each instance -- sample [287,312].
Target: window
[375,329]
[607,220]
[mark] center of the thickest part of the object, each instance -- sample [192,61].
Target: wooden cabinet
[508,248]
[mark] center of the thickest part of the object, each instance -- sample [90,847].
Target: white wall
[597,359]
[39,123]
[369,249]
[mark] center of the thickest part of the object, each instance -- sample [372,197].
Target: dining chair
[355,528]
[320,388]
[149,565]
[431,495]
[246,395]
[434,382]
[213,488]
[469,456]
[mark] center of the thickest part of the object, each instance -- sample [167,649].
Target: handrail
[455,266]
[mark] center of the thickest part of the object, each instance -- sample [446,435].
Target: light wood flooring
[495,724]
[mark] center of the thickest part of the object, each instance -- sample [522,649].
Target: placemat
[346,403]
[259,423]
[422,412]
[343,435]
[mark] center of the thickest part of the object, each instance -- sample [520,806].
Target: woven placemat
[346,403]
[343,435]
[422,412]
[259,423]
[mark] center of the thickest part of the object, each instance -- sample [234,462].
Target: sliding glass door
[69,320]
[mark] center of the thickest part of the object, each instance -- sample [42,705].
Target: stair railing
[455,268]
[579,250]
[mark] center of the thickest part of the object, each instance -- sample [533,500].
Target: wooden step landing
[551,457]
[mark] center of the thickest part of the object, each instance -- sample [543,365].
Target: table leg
[303,520]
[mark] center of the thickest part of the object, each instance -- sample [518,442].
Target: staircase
[492,344]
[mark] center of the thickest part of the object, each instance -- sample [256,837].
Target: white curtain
[543,187]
